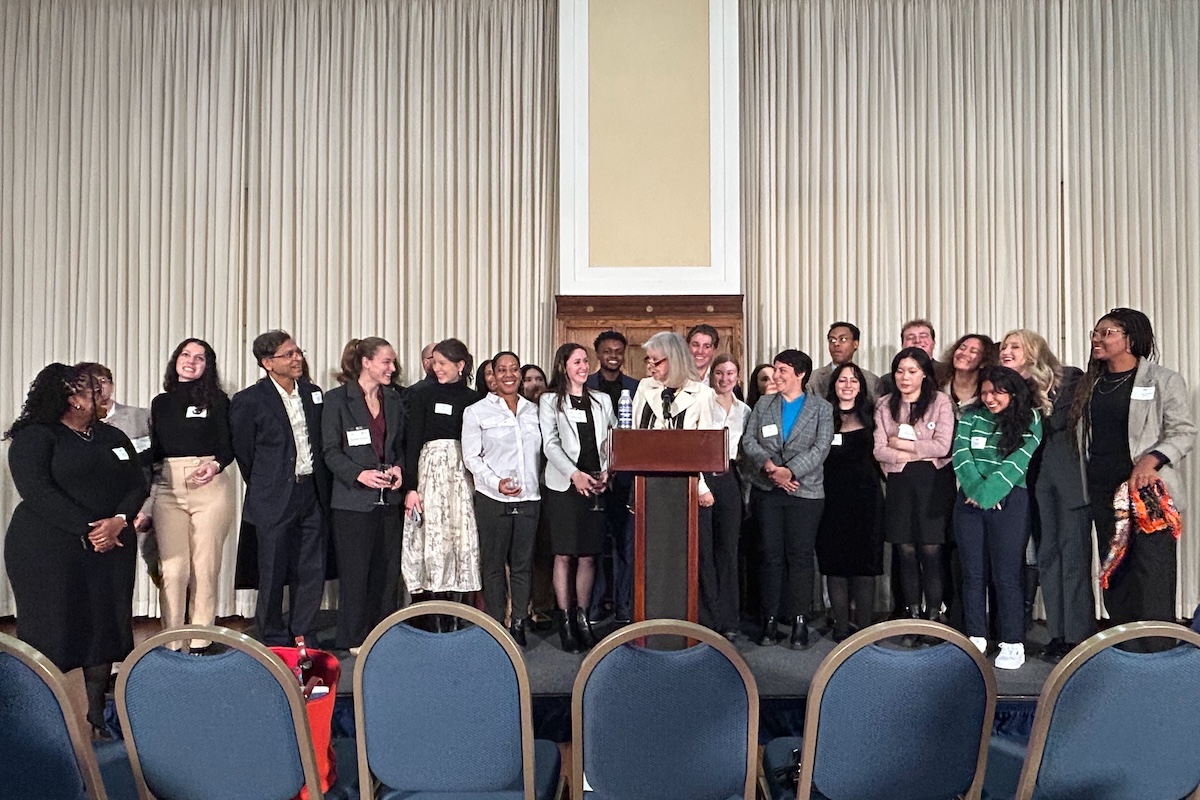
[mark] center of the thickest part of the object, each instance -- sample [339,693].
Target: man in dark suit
[276,428]
[610,379]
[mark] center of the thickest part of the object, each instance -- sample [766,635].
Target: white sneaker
[354,651]
[980,643]
[1012,655]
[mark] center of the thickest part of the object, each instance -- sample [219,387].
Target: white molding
[576,276]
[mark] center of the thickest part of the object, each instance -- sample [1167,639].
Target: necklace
[86,435]
[1112,384]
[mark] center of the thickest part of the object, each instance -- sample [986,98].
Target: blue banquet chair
[1111,724]
[44,749]
[230,726]
[447,715]
[891,722]
[648,724]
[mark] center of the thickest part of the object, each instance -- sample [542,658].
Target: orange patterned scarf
[1154,512]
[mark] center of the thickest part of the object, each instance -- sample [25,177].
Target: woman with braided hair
[1133,423]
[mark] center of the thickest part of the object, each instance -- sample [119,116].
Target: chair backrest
[443,712]
[664,723]
[901,722]
[44,751]
[1117,724]
[231,725]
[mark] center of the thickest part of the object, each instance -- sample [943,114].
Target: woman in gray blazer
[784,446]
[363,433]
[575,422]
[1134,424]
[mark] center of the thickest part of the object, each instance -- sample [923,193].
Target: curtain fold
[220,167]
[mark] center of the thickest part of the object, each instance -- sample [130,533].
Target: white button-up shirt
[496,443]
[293,404]
[735,421]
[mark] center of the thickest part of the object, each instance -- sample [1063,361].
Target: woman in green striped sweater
[993,444]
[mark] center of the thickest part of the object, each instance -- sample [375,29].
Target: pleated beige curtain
[220,167]
[987,164]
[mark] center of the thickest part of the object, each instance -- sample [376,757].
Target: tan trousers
[191,524]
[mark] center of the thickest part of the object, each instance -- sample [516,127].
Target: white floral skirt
[442,553]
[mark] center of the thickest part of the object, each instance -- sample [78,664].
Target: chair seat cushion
[547,766]
[115,770]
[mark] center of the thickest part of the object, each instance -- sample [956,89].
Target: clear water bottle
[625,410]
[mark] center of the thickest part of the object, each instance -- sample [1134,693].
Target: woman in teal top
[993,444]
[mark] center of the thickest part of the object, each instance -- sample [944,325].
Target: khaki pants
[191,524]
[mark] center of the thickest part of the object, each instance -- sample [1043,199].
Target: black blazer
[346,411]
[266,451]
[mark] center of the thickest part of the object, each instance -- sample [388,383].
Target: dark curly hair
[989,356]
[928,385]
[1013,421]
[48,399]
[863,407]
[204,389]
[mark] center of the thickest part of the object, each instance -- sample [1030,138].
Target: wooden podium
[666,508]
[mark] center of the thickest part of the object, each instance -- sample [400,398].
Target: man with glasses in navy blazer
[276,427]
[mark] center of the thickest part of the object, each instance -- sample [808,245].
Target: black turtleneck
[179,427]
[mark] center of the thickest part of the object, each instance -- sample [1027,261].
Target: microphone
[668,397]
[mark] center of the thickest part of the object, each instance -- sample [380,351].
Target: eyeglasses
[653,363]
[839,339]
[290,354]
[1104,333]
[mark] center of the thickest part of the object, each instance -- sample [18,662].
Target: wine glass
[513,476]
[596,504]
[383,468]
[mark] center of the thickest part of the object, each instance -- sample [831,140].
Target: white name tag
[576,415]
[196,413]
[443,408]
[978,442]
[121,453]
[141,444]
[770,430]
[1142,393]
[837,440]
[358,437]
[318,398]
[907,432]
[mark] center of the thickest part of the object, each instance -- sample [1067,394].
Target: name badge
[1142,393]
[576,415]
[358,437]
[443,408]
[907,432]
[318,398]
[837,440]
[121,453]
[770,430]
[141,444]
[196,413]
[978,442]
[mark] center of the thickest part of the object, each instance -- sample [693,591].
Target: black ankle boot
[583,629]
[566,632]
[909,640]
[770,632]
[799,638]
[95,681]
[517,629]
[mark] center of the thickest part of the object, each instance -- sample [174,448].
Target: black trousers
[1143,587]
[1065,564]
[718,552]
[506,535]
[367,544]
[789,534]
[291,554]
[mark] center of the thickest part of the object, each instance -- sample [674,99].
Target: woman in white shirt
[502,443]
[718,555]
[575,422]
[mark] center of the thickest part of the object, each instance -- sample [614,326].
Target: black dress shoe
[799,637]
[770,632]
[517,629]
[622,616]
[731,635]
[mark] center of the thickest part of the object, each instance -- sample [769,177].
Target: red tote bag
[320,710]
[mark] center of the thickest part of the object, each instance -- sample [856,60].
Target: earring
[76,407]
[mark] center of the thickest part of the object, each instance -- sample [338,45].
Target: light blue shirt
[791,412]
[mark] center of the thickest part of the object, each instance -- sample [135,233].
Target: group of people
[442,488]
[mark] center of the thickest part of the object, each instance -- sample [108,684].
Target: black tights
[921,571]
[862,587]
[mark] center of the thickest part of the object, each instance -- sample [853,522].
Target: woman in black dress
[850,539]
[70,548]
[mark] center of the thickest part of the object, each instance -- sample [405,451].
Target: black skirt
[850,539]
[920,500]
[575,530]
